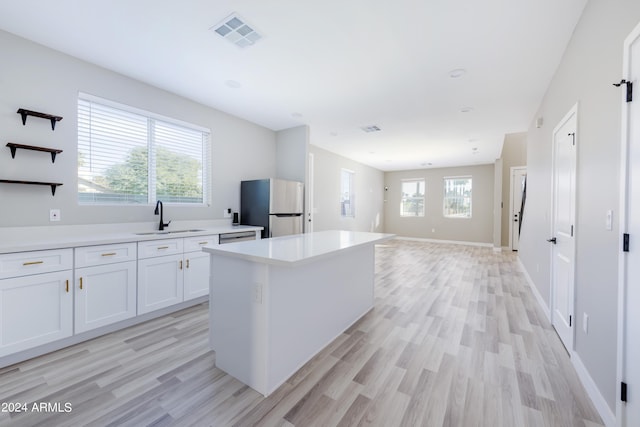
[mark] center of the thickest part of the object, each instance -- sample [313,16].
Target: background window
[347,199]
[412,203]
[457,197]
[128,156]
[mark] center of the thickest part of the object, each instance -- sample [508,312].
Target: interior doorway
[516,204]
[563,230]
[628,413]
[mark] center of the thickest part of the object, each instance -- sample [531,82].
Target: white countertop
[21,239]
[297,249]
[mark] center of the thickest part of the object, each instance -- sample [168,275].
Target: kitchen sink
[150,233]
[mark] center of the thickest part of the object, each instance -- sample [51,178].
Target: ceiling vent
[371,128]
[237,31]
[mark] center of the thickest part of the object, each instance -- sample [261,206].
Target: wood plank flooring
[455,339]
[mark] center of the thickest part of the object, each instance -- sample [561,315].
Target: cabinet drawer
[35,262]
[153,248]
[105,254]
[192,244]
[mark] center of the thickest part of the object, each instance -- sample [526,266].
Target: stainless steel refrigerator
[275,204]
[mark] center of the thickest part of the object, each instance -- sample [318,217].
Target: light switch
[609,220]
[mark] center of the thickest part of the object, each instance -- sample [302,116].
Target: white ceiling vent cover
[371,128]
[237,31]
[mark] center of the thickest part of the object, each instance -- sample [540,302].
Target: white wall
[478,228]
[41,79]
[369,189]
[591,63]
[291,153]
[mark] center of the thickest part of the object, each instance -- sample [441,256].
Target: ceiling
[334,65]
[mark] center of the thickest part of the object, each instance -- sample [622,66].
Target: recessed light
[466,109]
[296,115]
[333,133]
[372,152]
[457,73]
[236,30]
[233,84]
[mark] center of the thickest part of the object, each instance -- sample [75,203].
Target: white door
[629,296]
[518,181]
[563,231]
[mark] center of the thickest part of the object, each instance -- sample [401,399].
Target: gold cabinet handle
[187,263]
[81,283]
[33,262]
[180,264]
[203,243]
[67,287]
[110,254]
[163,247]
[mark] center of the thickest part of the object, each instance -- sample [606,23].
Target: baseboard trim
[607,415]
[455,242]
[536,293]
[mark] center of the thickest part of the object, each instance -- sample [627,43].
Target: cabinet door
[196,275]
[107,295]
[160,282]
[35,310]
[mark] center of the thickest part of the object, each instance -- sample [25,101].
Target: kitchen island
[275,303]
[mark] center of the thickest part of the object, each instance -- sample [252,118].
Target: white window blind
[128,156]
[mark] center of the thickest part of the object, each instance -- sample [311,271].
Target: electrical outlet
[433,230]
[54,214]
[585,323]
[226,213]
[609,220]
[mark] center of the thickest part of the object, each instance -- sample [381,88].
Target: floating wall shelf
[53,185]
[24,113]
[13,146]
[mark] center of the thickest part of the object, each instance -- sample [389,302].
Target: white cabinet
[105,285]
[160,278]
[36,299]
[196,272]
[172,271]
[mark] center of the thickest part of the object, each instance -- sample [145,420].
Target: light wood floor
[455,339]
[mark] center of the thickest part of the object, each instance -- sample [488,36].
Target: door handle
[552,240]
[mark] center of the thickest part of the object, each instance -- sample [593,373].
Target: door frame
[572,112]
[623,224]
[307,225]
[511,188]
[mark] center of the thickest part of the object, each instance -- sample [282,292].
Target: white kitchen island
[275,303]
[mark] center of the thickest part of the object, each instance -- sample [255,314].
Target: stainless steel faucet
[159,209]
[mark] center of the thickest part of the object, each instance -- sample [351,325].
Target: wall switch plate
[54,214]
[609,220]
[585,323]
[257,293]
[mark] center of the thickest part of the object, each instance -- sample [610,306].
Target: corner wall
[369,189]
[41,79]
[591,63]
[477,229]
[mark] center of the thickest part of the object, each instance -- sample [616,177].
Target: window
[130,156]
[457,197]
[347,200]
[412,203]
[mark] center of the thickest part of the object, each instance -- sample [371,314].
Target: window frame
[403,199]
[351,193]
[153,145]
[445,198]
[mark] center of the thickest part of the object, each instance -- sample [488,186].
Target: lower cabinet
[35,310]
[105,294]
[105,285]
[196,275]
[160,282]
